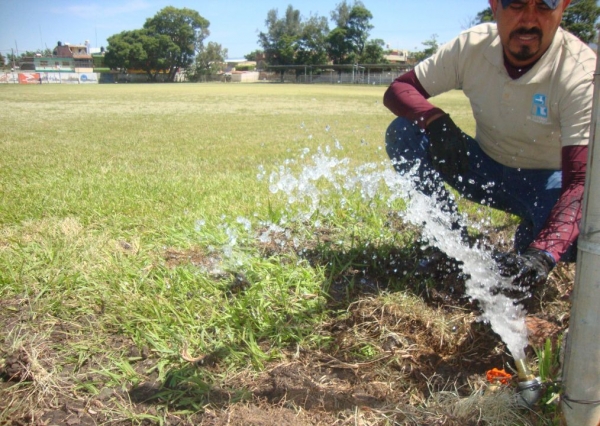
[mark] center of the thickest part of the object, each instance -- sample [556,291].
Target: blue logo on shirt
[539,107]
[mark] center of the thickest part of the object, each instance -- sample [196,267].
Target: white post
[581,400]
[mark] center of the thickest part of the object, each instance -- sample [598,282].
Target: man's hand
[447,146]
[529,269]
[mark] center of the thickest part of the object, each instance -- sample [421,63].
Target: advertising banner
[9,77]
[50,77]
[88,77]
[69,78]
[29,78]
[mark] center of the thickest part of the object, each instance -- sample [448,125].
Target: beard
[525,52]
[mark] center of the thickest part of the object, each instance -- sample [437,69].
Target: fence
[334,74]
[48,77]
[332,77]
[32,77]
[283,74]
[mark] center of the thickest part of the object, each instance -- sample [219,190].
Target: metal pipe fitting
[523,371]
[529,388]
[529,392]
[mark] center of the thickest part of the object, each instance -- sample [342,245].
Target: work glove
[529,269]
[447,147]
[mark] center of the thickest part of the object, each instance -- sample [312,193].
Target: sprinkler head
[529,388]
[529,392]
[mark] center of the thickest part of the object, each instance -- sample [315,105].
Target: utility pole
[17,49]
[581,376]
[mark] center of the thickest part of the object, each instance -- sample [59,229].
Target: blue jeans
[527,193]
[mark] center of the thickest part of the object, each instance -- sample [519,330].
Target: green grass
[118,209]
[87,170]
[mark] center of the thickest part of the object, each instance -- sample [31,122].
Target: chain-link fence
[335,74]
[300,74]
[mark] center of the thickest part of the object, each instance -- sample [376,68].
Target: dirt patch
[388,355]
[195,256]
[263,415]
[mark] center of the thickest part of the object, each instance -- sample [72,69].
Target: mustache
[527,31]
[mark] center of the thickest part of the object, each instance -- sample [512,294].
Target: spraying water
[305,188]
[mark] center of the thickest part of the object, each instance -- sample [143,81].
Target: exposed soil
[416,357]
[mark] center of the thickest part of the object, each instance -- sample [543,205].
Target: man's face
[526,28]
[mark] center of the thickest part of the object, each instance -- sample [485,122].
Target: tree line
[174,39]
[294,40]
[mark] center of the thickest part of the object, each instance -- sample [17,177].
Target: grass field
[135,287]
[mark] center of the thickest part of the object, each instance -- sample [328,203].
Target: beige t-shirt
[523,122]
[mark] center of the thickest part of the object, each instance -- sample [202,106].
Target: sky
[36,25]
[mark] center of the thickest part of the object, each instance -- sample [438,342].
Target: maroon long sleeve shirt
[407,98]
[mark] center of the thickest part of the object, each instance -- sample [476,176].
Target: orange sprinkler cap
[496,376]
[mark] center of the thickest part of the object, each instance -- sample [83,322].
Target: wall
[48,78]
[246,77]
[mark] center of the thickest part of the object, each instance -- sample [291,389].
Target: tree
[310,46]
[29,53]
[290,40]
[209,61]
[373,52]
[341,14]
[140,49]
[2,61]
[279,41]
[186,29]
[257,55]
[346,43]
[125,50]
[338,46]
[431,47]
[12,59]
[252,56]
[359,27]
[580,19]
[486,15]
[159,51]
[167,42]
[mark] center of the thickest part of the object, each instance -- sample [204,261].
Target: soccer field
[149,272]
[154,151]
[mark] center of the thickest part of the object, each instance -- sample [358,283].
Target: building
[66,58]
[397,56]
[241,64]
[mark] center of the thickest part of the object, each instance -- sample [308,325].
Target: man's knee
[393,138]
[404,140]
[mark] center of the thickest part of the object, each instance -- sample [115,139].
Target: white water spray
[370,180]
